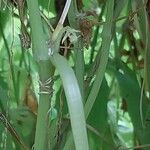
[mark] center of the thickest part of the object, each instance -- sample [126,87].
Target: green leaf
[74,101]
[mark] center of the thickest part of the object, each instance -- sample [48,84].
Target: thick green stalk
[40,53]
[70,85]
[40,49]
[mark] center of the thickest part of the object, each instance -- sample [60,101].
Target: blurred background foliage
[120,116]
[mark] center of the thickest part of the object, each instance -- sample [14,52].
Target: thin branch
[130,16]
[137,147]
[46,20]
[141,102]
[12,131]
[65,12]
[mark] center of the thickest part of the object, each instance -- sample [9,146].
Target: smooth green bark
[40,53]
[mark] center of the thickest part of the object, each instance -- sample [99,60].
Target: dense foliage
[80,81]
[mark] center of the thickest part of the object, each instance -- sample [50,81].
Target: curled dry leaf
[86,24]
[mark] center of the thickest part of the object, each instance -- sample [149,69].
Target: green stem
[95,38]
[40,53]
[78,46]
[106,41]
